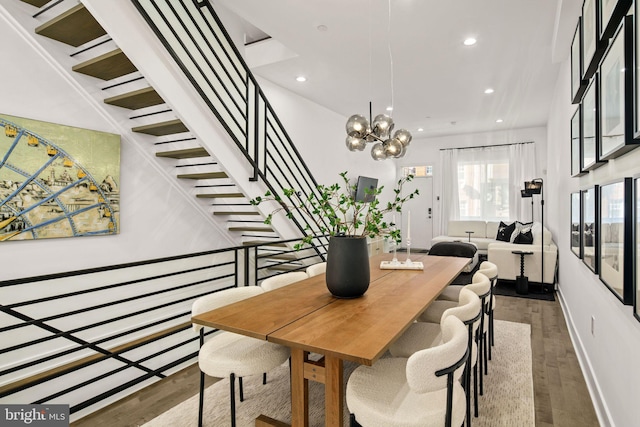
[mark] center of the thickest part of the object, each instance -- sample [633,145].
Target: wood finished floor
[561,396]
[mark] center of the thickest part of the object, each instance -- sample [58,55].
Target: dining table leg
[333,392]
[299,389]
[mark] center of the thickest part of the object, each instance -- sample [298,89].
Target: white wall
[609,356]
[156,218]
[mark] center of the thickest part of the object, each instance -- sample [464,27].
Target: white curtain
[449,191]
[522,161]
[484,183]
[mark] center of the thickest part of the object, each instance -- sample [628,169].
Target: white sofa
[499,252]
[484,232]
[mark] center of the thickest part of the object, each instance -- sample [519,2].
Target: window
[483,187]
[417,171]
[484,183]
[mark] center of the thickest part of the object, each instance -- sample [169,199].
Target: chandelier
[360,132]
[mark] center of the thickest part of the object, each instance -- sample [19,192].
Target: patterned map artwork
[57,181]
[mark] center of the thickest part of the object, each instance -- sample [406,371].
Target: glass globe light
[357,125]
[404,136]
[382,126]
[355,144]
[377,151]
[392,147]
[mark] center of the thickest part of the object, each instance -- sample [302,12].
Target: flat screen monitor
[365,189]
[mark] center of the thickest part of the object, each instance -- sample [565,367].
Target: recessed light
[469,41]
[301,79]
[420,130]
[389,108]
[488,91]
[499,121]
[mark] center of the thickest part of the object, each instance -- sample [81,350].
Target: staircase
[129,94]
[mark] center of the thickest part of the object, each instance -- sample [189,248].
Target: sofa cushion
[460,228]
[492,229]
[505,231]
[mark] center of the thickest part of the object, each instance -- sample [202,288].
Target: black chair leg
[264,378]
[486,359]
[480,362]
[232,393]
[201,404]
[241,389]
[475,389]
[467,375]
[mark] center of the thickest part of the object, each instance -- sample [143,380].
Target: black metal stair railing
[196,39]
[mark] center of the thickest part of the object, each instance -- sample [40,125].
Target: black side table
[522,281]
[469,233]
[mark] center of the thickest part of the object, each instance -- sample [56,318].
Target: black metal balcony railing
[196,39]
[84,337]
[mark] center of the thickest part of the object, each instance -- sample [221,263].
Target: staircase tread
[107,66]
[285,267]
[168,127]
[36,3]
[263,242]
[219,195]
[236,213]
[185,153]
[74,27]
[134,100]
[248,228]
[285,256]
[203,175]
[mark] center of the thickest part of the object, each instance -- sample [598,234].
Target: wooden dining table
[305,317]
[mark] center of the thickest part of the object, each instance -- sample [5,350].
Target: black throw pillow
[505,231]
[523,235]
[524,238]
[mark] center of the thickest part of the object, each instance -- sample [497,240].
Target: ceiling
[411,53]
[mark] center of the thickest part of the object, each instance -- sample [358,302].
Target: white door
[421,208]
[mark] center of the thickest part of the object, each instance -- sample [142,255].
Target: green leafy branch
[333,210]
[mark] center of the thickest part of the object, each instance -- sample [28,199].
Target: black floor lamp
[535,187]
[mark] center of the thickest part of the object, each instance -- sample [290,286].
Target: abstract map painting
[57,181]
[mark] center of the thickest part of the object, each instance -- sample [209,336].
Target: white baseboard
[600,406]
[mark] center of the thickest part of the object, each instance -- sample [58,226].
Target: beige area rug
[507,400]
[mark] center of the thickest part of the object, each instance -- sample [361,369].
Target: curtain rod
[487,146]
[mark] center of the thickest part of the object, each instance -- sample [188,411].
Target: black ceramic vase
[347,272]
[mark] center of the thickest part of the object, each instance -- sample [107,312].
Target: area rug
[507,400]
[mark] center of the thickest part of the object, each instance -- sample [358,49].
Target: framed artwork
[616,231]
[590,123]
[636,243]
[610,14]
[578,85]
[576,233]
[592,45]
[57,181]
[636,74]
[589,227]
[576,143]
[616,79]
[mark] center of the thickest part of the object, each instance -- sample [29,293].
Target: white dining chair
[226,354]
[421,334]
[315,269]
[284,279]
[420,391]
